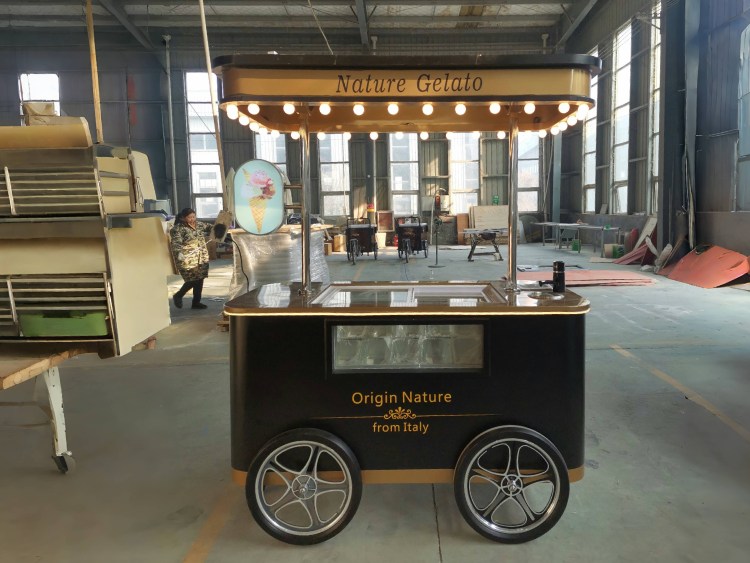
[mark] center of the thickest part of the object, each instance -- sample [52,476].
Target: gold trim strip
[404,476]
[397,312]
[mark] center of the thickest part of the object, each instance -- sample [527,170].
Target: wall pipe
[94,73]
[175,206]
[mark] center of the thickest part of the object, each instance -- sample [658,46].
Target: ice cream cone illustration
[259,181]
[258,208]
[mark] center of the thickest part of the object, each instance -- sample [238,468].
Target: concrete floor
[667,444]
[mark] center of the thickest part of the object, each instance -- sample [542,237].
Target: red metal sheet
[710,266]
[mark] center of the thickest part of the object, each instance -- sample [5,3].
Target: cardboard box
[327,248]
[339,243]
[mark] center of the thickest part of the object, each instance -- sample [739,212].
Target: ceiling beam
[578,13]
[364,35]
[401,23]
[281,3]
[122,17]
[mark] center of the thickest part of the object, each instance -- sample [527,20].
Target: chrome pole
[512,282]
[304,135]
[170,110]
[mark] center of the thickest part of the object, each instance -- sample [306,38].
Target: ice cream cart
[360,238]
[412,237]
[407,382]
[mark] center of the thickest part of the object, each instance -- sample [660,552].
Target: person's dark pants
[196,286]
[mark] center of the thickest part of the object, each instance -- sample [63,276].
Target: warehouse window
[404,173]
[589,150]
[334,174]
[37,87]
[528,171]
[205,174]
[621,120]
[655,134]
[464,171]
[271,147]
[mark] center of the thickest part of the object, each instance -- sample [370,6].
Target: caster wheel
[511,484]
[64,462]
[304,486]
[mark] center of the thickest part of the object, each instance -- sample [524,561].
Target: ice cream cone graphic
[258,208]
[261,189]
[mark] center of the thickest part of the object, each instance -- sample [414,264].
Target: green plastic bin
[64,323]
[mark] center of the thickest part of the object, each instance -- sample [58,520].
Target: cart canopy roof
[339,94]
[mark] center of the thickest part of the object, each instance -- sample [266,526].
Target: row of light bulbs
[325,109]
[424,135]
[529,108]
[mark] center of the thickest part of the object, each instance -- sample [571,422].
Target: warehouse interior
[666,148]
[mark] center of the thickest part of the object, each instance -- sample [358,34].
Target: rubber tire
[483,441]
[315,436]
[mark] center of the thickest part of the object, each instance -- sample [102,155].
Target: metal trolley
[435,389]
[412,237]
[360,238]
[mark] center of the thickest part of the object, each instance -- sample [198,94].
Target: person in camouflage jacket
[188,240]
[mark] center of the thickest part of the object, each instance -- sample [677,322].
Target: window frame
[414,191]
[619,187]
[538,188]
[453,191]
[346,177]
[654,139]
[55,101]
[588,190]
[206,128]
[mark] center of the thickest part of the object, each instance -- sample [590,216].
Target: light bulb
[542,133]
[393,109]
[563,126]
[494,108]
[427,109]
[449,135]
[555,130]
[564,107]
[254,109]
[501,134]
[529,108]
[476,134]
[460,109]
[572,120]
[263,131]
[324,109]
[347,136]
[244,120]
[582,111]
[374,135]
[321,136]
[274,134]
[254,126]
[424,135]
[399,135]
[295,135]
[289,109]
[359,109]
[232,111]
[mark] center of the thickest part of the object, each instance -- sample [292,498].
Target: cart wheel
[375,250]
[64,462]
[425,249]
[304,486]
[511,484]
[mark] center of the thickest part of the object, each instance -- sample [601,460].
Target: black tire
[511,484]
[317,488]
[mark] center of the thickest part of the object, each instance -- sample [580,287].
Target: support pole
[511,283]
[304,135]
[175,207]
[94,72]
[214,107]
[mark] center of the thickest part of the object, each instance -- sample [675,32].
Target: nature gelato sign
[259,197]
